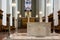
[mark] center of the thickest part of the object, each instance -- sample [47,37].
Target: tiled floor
[4,34]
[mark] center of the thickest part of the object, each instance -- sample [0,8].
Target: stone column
[37,7]
[55,13]
[0,4]
[4,7]
[19,5]
[47,10]
[9,10]
[22,8]
[59,4]
[10,1]
[41,9]
[33,14]
[16,15]
[51,7]
[40,16]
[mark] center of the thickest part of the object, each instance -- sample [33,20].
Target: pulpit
[1,19]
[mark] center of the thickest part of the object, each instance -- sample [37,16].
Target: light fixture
[13,4]
[48,4]
[20,15]
[36,16]
[40,12]
[18,12]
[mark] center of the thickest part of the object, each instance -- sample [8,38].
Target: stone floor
[5,34]
[2,35]
[23,36]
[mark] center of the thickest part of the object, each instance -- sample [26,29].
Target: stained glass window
[27,4]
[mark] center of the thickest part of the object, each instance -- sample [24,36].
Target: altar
[38,29]
[35,31]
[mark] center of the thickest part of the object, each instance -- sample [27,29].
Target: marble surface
[23,36]
[38,29]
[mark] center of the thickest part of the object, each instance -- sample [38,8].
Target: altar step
[23,36]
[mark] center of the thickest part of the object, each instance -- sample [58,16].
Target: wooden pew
[50,19]
[57,28]
[6,28]
[43,19]
[59,17]
[1,20]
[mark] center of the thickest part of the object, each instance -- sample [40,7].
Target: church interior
[29,19]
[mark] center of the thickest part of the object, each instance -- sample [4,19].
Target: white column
[51,7]
[40,17]
[0,4]
[9,10]
[41,9]
[55,14]
[10,1]
[16,9]
[16,14]
[59,4]
[4,7]
[37,6]
[47,12]
[47,9]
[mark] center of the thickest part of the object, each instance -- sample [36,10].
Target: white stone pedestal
[38,29]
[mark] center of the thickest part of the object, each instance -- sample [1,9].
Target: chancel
[29,19]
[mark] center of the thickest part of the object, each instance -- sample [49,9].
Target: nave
[33,18]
